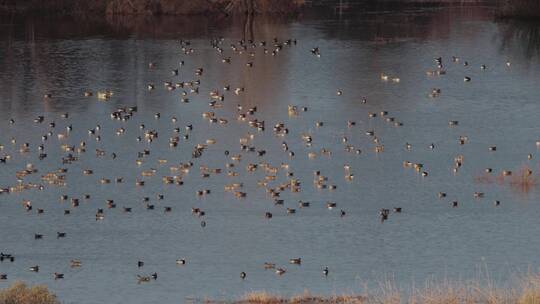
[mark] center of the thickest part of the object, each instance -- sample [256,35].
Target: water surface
[499,107]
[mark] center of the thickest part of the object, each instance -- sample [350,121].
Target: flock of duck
[52,135]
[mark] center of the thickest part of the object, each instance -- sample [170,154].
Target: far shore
[505,8]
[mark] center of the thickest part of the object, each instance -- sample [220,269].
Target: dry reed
[527,291]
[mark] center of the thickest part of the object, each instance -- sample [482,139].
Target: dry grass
[305,298]
[20,293]
[527,291]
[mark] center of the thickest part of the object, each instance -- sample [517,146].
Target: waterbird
[297,261]
[181,262]
[75,263]
[280,271]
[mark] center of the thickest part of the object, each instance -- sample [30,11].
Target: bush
[20,293]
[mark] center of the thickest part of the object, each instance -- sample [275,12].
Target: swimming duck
[75,263]
[296,261]
[142,279]
[269,266]
[6,256]
[181,262]
[280,271]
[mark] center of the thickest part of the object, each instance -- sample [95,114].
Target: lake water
[429,238]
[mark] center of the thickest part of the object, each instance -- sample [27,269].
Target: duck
[34,268]
[75,263]
[325,271]
[6,256]
[302,204]
[269,266]
[181,262]
[479,194]
[280,271]
[296,261]
[242,275]
[58,276]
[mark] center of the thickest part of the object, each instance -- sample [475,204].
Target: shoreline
[211,8]
[525,289]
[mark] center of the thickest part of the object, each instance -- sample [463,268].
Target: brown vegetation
[20,293]
[527,291]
